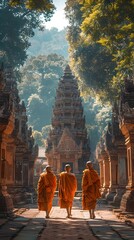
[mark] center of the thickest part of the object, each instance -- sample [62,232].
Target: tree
[44,6]
[111,24]
[41,74]
[91,62]
[45,131]
[38,138]
[101,43]
[35,109]
[97,117]
[24,17]
[49,41]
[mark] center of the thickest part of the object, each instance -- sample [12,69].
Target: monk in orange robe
[90,189]
[46,189]
[67,189]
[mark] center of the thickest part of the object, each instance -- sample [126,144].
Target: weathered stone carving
[17,150]
[68,141]
[126,122]
[111,155]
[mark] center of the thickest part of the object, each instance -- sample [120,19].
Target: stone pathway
[60,227]
[31,225]
[107,227]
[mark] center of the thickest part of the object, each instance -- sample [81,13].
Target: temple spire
[68,125]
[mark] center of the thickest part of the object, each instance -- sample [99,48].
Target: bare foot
[93,216]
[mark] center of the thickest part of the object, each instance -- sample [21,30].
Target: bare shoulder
[62,174]
[86,171]
[42,175]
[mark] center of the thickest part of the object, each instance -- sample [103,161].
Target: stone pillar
[122,175]
[101,172]
[113,165]
[6,203]
[106,173]
[10,157]
[102,157]
[25,174]
[127,202]
[31,173]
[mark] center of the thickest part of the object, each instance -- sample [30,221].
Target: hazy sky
[58,20]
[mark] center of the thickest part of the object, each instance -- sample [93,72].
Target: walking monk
[90,189]
[46,189]
[67,189]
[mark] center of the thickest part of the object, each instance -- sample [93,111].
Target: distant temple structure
[115,152]
[68,141]
[17,150]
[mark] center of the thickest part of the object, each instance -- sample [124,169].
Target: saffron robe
[90,189]
[67,189]
[46,189]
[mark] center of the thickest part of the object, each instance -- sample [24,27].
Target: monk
[90,189]
[46,189]
[67,189]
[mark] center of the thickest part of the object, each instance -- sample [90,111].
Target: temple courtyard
[30,224]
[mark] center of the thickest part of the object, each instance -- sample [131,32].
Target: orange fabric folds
[90,189]
[67,189]
[46,189]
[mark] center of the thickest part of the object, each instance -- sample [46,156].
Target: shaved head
[67,167]
[48,168]
[89,165]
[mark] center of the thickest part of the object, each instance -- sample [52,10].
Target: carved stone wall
[112,157]
[126,121]
[17,149]
[119,145]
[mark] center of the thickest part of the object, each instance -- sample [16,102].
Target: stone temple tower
[68,141]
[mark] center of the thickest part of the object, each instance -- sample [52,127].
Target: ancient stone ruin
[68,141]
[115,153]
[17,149]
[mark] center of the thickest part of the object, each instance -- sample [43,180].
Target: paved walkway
[30,224]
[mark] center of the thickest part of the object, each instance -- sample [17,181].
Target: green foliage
[15,33]
[90,61]
[35,106]
[101,42]
[37,88]
[97,118]
[38,138]
[45,131]
[44,6]
[48,42]
[111,24]
[95,68]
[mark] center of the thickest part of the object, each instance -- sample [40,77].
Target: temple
[17,149]
[115,153]
[68,141]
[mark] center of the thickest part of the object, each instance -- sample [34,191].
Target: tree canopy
[37,88]
[48,41]
[44,6]
[23,18]
[101,42]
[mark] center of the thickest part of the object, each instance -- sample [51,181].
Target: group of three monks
[67,187]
